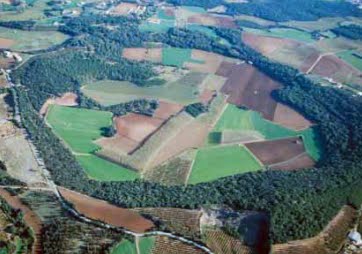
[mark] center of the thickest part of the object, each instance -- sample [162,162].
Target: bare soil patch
[136,127]
[68,99]
[273,152]
[123,8]
[143,54]
[266,45]
[30,218]
[167,109]
[251,88]
[100,210]
[290,118]
[309,61]
[6,43]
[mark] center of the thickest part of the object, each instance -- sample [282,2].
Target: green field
[350,58]
[215,162]
[163,26]
[32,40]
[103,170]
[177,57]
[235,119]
[127,247]
[78,127]
[286,33]
[183,91]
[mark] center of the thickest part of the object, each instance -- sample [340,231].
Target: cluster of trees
[312,196]
[281,10]
[350,31]
[196,109]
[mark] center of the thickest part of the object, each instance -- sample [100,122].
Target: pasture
[145,245]
[184,90]
[287,33]
[30,40]
[212,163]
[351,58]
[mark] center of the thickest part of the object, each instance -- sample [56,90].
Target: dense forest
[311,196]
[281,10]
[350,31]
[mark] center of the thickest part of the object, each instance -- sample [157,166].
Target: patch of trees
[22,25]
[281,10]
[196,109]
[352,31]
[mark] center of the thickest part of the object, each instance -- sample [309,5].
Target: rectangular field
[212,163]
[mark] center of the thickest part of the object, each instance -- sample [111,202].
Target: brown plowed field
[5,43]
[68,99]
[251,88]
[100,210]
[30,218]
[167,245]
[266,45]
[309,61]
[167,109]
[333,67]
[290,118]
[192,135]
[302,161]
[136,127]
[143,54]
[278,151]
[123,8]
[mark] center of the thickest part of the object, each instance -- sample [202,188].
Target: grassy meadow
[145,246]
[350,57]
[287,33]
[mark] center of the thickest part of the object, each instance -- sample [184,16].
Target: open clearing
[280,150]
[170,246]
[215,162]
[289,118]
[184,90]
[30,40]
[100,210]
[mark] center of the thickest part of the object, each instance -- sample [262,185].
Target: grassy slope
[215,162]
[78,128]
[184,90]
[32,40]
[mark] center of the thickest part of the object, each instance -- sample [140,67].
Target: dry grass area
[67,99]
[166,110]
[170,246]
[143,54]
[100,210]
[5,43]
[123,9]
[330,240]
[179,221]
[289,118]
[210,61]
[267,45]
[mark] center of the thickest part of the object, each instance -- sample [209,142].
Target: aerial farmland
[180,126]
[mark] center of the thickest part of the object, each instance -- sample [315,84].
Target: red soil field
[68,99]
[302,161]
[290,118]
[5,43]
[136,127]
[100,210]
[170,246]
[123,8]
[251,88]
[30,218]
[273,152]
[193,135]
[167,109]
[266,45]
[333,67]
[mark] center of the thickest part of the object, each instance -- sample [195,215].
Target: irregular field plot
[176,56]
[100,210]
[78,127]
[103,170]
[351,58]
[215,162]
[123,8]
[184,90]
[30,40]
